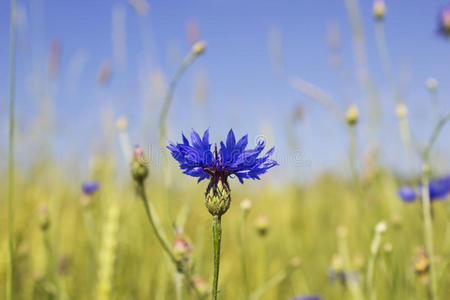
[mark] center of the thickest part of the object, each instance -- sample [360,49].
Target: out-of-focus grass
[303,224]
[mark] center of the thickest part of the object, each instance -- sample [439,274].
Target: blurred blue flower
[90,187]
[407,193]
[233,158]
[439,188]
[307,297]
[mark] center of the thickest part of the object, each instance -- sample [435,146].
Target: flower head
[439,188]
[139,168]
[379,9]
[444,21]
[90,187]
[232,159]
[352,115]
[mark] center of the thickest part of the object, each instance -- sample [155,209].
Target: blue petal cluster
[90,187]
[439,188]
[196,158]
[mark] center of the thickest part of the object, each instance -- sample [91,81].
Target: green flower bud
[379,9]
[139,169]
[182,249]
[199,47]
[201,286]
[217,200]
[352,115]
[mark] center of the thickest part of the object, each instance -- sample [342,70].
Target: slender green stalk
[162,240]
[352,159]
[428,232]
[217,237]
[242,253]
[12,70]
[169,95]
[387,68]
[178,285]
[271,282]
[163,116]
[345,254]
[374,248]
[426,205]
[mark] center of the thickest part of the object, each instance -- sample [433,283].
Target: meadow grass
[303,224]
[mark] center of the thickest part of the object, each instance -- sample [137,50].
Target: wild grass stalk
[12,76]
[245,208]
[426,206]
[197,49]
[107,253]
[401,109]
[162,240]
[274,281]
[344,252]
[361,62]
[374,249]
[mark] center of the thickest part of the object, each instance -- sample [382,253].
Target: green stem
[163,242]
[169,95]
[352,158]
[12,69]
[428,231]
[387,68]
[242,253]
[344,252]
[374,247]
[426,204]
[217,237]
[271,282]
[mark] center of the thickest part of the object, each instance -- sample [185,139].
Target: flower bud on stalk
[217,200]
[139,169]
[379,9]
[182,249]
[352,115]
[402,111]
[198,48]
[262,225]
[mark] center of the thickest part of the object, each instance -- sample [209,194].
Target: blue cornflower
[232,158]
[307,297]
[407,193]
[90,187]
[439,188]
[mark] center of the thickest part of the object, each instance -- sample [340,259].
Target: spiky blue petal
[196,159]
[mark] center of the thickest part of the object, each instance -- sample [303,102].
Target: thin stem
[426,204]
[352,159]
[434,136]
[169,95]
[353,285]
[428,231]
[387,68]
[217,237]
[271,282]
[179,285]
[12,69]
[242,253]
[163,242]
[374,247]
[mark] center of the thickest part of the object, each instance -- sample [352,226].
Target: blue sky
[244,92]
